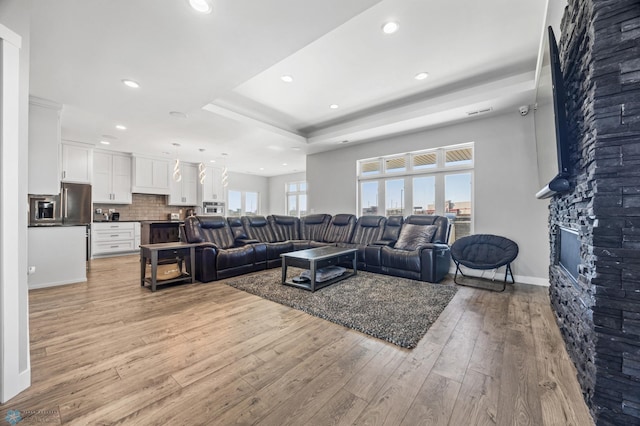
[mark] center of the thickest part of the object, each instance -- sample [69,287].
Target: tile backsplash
[143,207]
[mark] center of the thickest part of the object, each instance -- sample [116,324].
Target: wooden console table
[154,252]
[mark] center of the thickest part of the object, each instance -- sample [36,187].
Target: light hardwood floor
[111,352]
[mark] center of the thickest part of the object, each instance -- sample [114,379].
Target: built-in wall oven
[213,208]
[44,209]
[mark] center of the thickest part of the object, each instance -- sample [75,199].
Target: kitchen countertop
[115,221]
[57,225]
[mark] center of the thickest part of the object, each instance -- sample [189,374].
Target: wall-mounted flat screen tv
[552,141]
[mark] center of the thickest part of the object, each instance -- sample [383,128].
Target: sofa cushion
[413,236]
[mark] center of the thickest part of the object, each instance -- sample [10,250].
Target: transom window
[436,181]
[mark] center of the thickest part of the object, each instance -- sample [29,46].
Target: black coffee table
[314,259]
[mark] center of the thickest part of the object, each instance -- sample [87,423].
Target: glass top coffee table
[315,259]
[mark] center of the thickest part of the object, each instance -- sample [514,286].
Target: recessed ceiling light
[390,27]
[284,164]
[178,114]
[334,106]
[261,168]
[131,83]
[287,78]
[202,6]
[421,75]
[212,161]
[295,148]
[105,142]
[121,127]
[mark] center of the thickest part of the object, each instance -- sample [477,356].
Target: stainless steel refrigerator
[75,204]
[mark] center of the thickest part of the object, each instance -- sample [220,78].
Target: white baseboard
[499,276]
[22,382]
[57,283]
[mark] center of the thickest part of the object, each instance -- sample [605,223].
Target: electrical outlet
[32,270]
[112,210]
[98,211]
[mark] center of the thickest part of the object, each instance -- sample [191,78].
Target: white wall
[505,182]
[277,199]
[14,314]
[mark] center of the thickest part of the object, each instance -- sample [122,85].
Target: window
[424,195]
[368,168]
[436,181]
[395,165]
[424,161]
[243,203]
[369,198]
[296,198]
[394,195]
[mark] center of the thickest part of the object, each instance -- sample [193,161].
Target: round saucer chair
[484,252]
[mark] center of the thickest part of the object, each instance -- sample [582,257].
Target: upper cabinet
[184,193]
[150,176]
[211,189]
[76,162]
[111,178]
[44,146]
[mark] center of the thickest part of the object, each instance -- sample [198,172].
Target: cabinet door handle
[64,174]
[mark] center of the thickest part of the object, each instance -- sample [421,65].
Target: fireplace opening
[569,252]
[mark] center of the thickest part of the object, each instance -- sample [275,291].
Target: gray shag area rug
[394,309]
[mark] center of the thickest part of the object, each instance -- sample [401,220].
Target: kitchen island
[57,255]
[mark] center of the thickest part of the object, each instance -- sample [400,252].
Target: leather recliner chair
[368,229]
[219,257]
[421,259]
[258,228]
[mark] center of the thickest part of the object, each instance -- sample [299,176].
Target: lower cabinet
[110,238]
[56,255]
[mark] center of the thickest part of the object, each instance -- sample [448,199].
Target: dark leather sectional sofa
[414,247]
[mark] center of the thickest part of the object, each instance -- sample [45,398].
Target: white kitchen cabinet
[44,146]
[185,192]
[211,189]
[76,162]
[111,178]
[58,255]
[150,175]
[109,238]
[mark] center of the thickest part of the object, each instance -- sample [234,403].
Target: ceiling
[223,71]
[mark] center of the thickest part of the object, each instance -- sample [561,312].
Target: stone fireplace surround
[599,314]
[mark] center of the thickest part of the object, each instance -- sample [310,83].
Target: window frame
[440,171]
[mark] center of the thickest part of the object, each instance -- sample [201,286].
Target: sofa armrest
[383,243]
[433,246]
[239,242]
[206,254]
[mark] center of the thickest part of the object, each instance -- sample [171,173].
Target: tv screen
[551,123]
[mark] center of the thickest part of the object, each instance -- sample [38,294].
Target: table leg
[192,264]
[154,269]
[355,264]
[312,268]
[143,267]
[284,270]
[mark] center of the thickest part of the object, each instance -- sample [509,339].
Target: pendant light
[202,169]
[177,175]
[224,177]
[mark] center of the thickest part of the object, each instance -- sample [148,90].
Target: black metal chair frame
[507,272]
[469,265]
